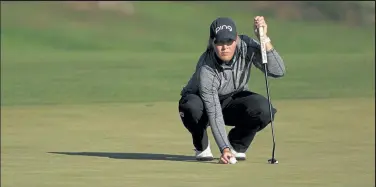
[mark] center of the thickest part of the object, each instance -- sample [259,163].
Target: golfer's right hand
[225,157]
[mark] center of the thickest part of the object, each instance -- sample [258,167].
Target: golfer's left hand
[225,157]
[259,21]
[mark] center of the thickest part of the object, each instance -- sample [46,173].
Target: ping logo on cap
[223,27]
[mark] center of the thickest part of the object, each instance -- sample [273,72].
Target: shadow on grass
[136,156]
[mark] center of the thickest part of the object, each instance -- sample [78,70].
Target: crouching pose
[217,94]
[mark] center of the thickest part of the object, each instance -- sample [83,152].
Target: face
[225,50]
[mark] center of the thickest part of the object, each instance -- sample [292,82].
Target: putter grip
[263,47]
[261,31]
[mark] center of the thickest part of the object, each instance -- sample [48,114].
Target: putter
[265,61]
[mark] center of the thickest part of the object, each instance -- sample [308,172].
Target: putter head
[273,161]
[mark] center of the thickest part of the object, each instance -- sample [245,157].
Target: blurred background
[111,51]
[89,93]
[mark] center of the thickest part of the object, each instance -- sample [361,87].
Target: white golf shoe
[238,156]
[205,155]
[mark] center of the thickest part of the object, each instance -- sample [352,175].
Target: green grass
[108,85]
[79,77]
[167,27]
[326,143]
[48,58]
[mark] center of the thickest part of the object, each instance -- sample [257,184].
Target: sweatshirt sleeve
[208,89]
[276,66]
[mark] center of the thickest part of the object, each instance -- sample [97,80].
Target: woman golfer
[217,94]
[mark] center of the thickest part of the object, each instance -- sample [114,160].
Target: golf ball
[233,160]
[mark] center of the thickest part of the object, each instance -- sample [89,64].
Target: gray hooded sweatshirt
[213,80]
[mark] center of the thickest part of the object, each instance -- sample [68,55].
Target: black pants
[248,112]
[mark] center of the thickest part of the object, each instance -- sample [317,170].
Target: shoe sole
[240,158]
